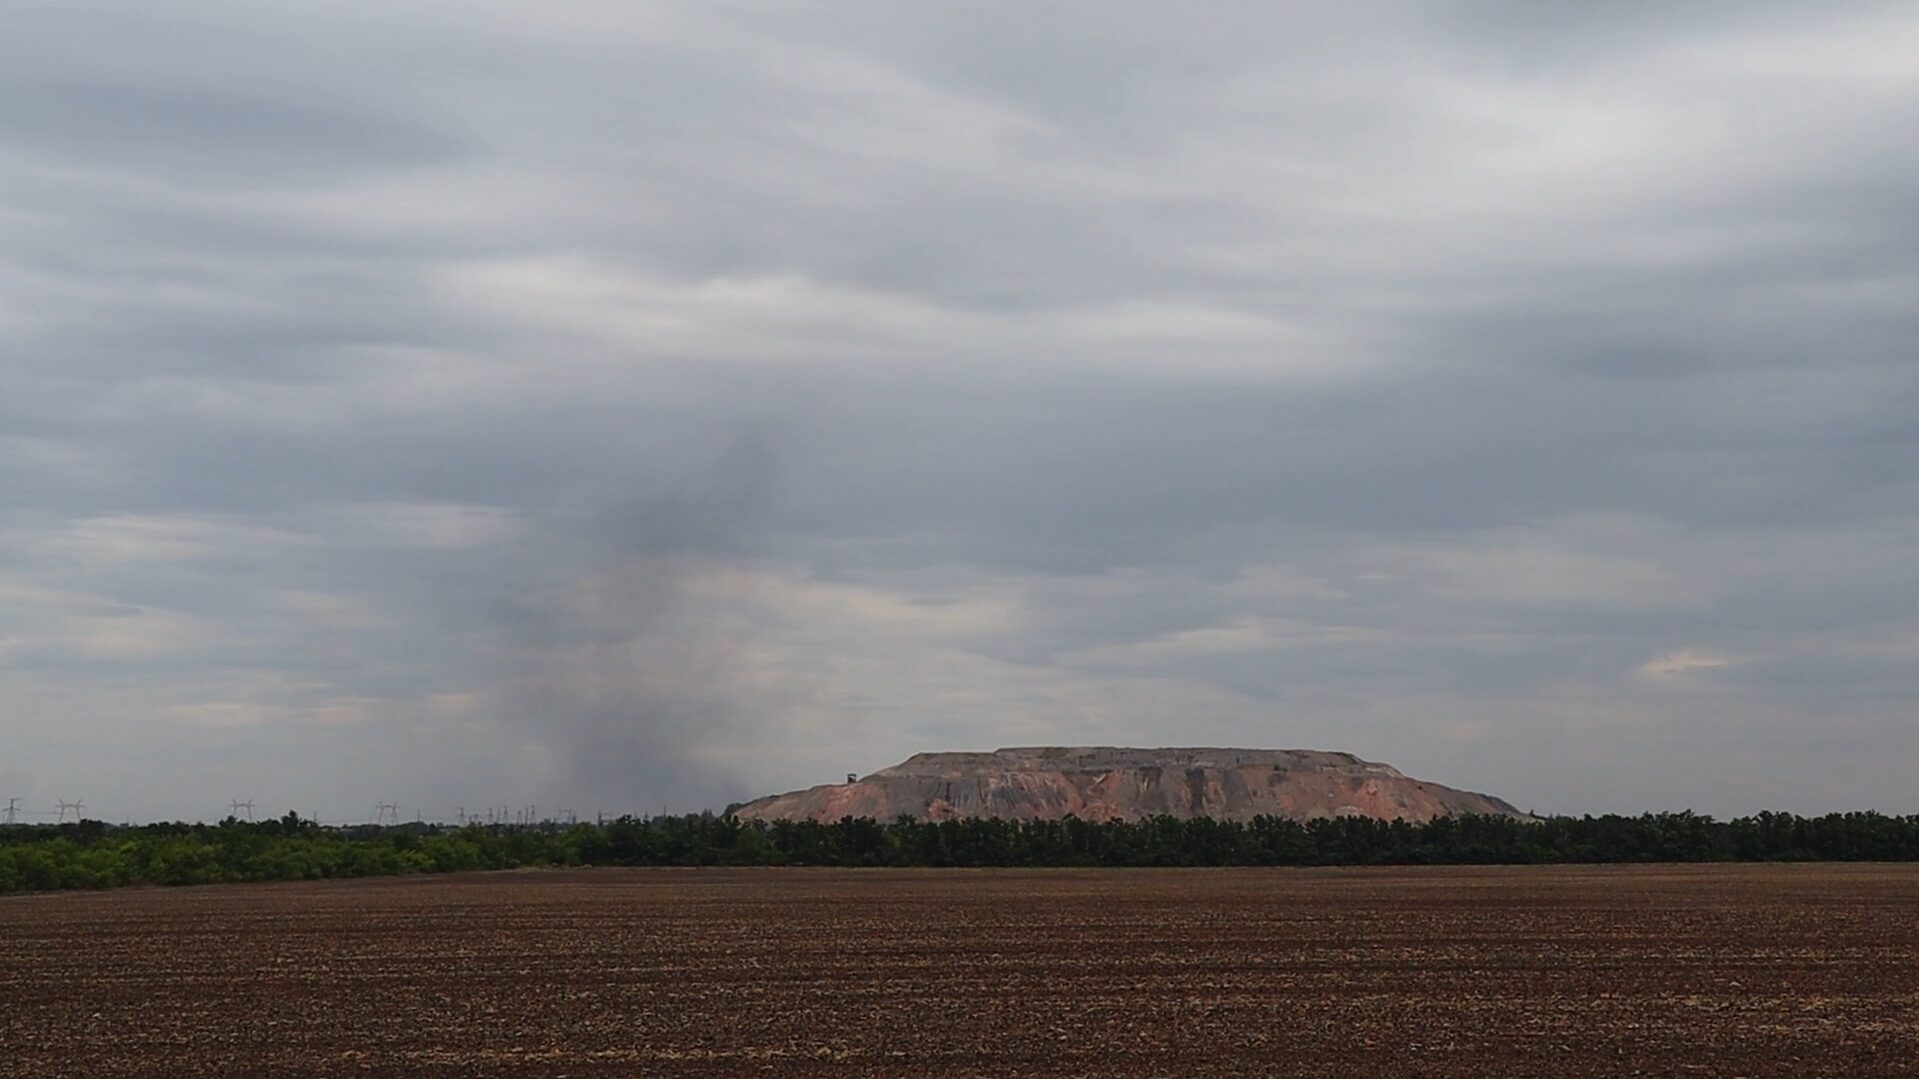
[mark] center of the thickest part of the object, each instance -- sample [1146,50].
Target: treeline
[95,855]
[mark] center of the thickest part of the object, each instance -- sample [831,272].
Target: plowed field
[1734,970]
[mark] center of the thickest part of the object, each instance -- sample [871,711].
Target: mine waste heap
[1109,782]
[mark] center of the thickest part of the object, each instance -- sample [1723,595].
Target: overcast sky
[625,405]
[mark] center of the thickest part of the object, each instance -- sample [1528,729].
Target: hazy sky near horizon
[625,405]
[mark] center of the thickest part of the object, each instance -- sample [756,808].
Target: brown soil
[1743,970]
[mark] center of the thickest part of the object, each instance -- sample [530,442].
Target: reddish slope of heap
[1106,782]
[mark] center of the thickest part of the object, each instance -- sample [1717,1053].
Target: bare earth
[1740,970]
[1129,783]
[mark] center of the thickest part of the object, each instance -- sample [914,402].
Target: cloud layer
[624,406]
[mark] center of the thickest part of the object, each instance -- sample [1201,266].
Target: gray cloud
[1520,397]
[207,136]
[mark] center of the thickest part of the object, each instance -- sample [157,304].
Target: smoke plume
[631,664]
